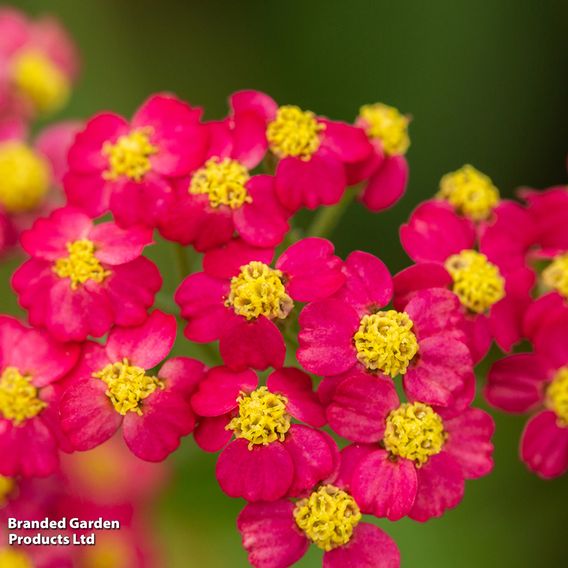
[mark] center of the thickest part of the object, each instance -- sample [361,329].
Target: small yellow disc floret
[130,155]
[81,265]
[19,400]
[555,275]
[388,125]
[557,396]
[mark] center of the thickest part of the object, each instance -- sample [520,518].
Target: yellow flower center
[294,132]
[477,282]
[223,181]
[262,418]
[7,485]
[470,192]
[415,432]
[41,81]
[130,155]
[14,559]
[557,396]
[327,517]
[19,400]
[259,290]
[24,178]
[81,265]
[555,275]
[385,342]
[128,386]
[388,125]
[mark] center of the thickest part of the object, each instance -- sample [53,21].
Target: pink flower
[270,457]
[538,382]
[82,279]
[348,337]
[30,364]
[385,171]
[113,386]
[312,152]
[494,293]
[278,534]
[129,167]
[222,196]
[416,458]
[239,299]
[38,65]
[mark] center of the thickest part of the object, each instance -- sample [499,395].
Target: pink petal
[360,406]
[506,320]
[264,473]
[32,282]
[350,458]
[211,434]
[270,534]
[326,337]
[544,446]
[145,345]
[551,343]
[478,335]
[368,286]
[89,193]
[254,102]
[440,487]
[419,276]
[303,403]
[313,272]
[387,184]
[347,142]
[217,394]
[541,311]
[516,383]
[182,375]
[118,246]
[384,487]
[249,138]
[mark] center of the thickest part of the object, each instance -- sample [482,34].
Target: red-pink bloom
[494,293]
[350,336]
[239,299]
[128,167]
[113,386]
[83,278]
[312,152]
[278,534]
[222,196]
[30,364]
[384,171]
[538,382]
[417,455]
[270,457]
[38,65]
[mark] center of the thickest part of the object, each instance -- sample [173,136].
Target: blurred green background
[486,83]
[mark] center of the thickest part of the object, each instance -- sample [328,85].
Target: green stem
[182,260]
[327,218]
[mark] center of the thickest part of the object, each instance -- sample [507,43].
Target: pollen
[415,432]
[223,181]
[41,81]
[555,275]
[14,559]
[294,132]
[128,386]
[262,418]
[388,125]
[130,155]
[24,178]
[557,396]
[469,192]
[259,290]
[19,400]
[328,517]
[385,342]
[477,282]
[81,265]
[7,486]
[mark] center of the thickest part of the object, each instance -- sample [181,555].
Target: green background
[486,83]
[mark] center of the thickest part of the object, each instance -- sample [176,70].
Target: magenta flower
[278,534]
[128,167]
[312,152]
[270,457]
[538,382]
[239,298]
[30,364]
[493,293]
[350,336]
[38,65]
[81,279]
[222,196]
[113,387]
[385,170]
[417,455]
